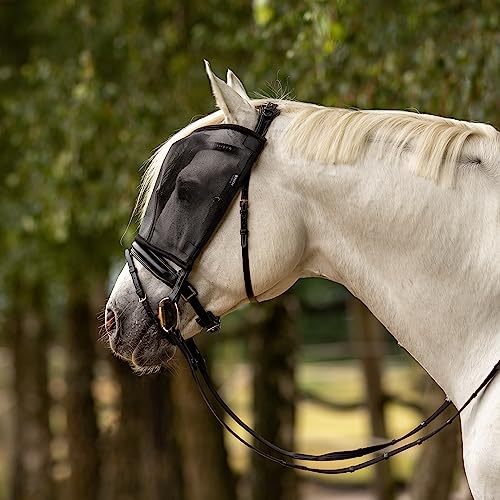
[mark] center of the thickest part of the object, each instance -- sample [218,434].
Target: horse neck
[422,257]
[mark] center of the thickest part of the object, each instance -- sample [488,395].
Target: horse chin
[147,351]
[151,354]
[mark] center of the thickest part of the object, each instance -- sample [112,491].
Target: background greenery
[88,89]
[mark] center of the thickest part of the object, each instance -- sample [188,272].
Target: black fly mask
[198,180]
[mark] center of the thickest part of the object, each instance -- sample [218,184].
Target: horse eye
[187,189]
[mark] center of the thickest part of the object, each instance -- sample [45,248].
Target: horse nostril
[110,321]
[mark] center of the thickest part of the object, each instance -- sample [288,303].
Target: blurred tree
[439,57]
[143,455]
[31,459]
[437,464]
[366,334]
[201,440]
[273,348]
[161,466]
[123,449]
[81,420]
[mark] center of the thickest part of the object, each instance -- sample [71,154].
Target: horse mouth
[144,348]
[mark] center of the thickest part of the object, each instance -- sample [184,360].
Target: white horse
[401,208]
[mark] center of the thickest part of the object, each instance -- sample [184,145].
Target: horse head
[276,238]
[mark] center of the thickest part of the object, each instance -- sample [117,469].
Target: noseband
[171,264]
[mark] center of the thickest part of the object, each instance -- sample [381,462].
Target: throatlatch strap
[267,114]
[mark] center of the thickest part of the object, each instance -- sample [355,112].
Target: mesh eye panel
[199,178]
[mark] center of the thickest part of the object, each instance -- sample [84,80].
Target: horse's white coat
[424,257]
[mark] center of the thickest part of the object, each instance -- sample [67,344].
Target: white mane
[341,136]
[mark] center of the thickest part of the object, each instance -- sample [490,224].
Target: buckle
[192,292]
[211,323]
[168,314]
[214,328]
[243,206]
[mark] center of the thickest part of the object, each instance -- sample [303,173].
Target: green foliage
[439,57]
[101,85]
[90,88]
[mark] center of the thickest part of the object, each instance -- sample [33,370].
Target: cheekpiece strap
[267,113]
[135,278]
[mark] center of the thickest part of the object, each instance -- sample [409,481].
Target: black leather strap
[244,241]
[135,277]
[156,264]
[332,456]
[267,114]
[206,319]
[162,270]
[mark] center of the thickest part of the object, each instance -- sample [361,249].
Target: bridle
[167,323]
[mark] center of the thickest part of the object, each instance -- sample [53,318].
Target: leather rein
[166,322]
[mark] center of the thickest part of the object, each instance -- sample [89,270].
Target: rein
[167,324]
[207,389]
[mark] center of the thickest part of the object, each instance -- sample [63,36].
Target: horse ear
[235,83]
[236,109]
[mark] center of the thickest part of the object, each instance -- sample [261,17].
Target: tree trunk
[143,457]
[366,334]
[82,431]
[436,465]
[206,471]
[31,460]
[162,468]
[123,458]
[463,490]
[273,347]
